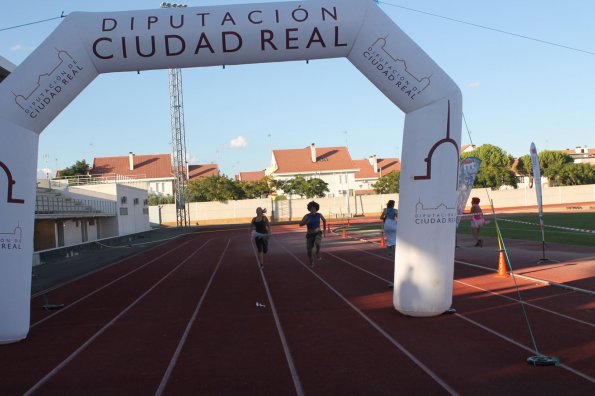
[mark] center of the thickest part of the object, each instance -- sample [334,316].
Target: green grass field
[514,227]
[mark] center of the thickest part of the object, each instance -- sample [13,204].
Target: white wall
[129,217]
[340,207]
[130,204]
[72,232]
[161,187]
[291,209]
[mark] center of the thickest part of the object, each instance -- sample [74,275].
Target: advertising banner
[18,168]
[468,169]
[86,44]
[537,184]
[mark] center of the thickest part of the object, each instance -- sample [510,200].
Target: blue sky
[515,91]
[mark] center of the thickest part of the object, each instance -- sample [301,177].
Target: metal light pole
[178,139]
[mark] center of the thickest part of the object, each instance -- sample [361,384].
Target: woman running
[260,229]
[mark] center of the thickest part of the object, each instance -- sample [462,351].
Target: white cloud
[17,47]
[474,85]
[238,142]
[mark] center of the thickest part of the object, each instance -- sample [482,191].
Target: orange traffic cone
[382,241]
[344,233]
[502,273]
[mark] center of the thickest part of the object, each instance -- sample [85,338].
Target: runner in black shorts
[314,232]
[260,229]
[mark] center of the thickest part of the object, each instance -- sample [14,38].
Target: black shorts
[262,244]
[313,238]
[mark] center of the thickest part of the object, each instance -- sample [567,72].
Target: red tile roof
[250,176]
[151,166]
[388,165]
[199,171]
[579,151]
[467,147]
[299,160]
[385,166]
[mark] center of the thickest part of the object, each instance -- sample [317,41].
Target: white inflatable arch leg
[86,44]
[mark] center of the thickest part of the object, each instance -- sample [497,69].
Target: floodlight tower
[178,139]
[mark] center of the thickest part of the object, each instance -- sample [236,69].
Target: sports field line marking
[404,350]
[531,278]
[70,305]
[292,368]
[182,342]
[527,304]
[518,344]
[580,374]
[42,292]
[73,355]
[496,294]
[583,230]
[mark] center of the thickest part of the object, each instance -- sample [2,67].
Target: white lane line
[182,342]
[73,355]
[527,304]
[404,350]
[580,374]
[288,357]
[531,278]
[72,304]
[518,344]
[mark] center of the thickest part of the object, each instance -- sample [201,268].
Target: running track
[196,316]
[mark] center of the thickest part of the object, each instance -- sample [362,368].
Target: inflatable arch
[87,44]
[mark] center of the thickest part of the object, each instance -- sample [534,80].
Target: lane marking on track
[518,344]
[292,368]
[404,350]
[70,305]
[528,304]
[80,349]
[182,342]
[488,291]
[531,278]
[42,292]
[580,374]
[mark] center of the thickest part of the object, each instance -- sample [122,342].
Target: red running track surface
[196,316]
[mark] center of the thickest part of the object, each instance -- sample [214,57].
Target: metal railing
[58,205]
[80,180]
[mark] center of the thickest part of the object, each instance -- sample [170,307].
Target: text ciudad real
[226,41]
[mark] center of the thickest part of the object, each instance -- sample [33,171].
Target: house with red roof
[370,170]
[331,164]
[582,155]
[154,169]
[199,171]
[250,176]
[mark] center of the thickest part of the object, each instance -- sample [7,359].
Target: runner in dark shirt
[260,229]
[314,232]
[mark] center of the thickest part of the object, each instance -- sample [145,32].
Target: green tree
[79,168]
[315,188]
[257,189]
[214,188]
[155,199]
[295,186]
[496,167]
[575,174]
[524,165]
[388,184]
[552,162]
